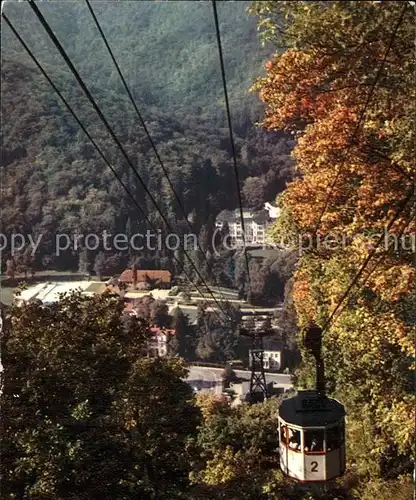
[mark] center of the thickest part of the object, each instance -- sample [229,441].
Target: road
[209,379]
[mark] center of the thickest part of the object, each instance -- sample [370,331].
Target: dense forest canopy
[167,50]
[79,406]
[53,179]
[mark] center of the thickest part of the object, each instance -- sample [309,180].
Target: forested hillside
[53,179]
[167,50]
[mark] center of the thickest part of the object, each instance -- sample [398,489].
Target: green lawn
[96,287]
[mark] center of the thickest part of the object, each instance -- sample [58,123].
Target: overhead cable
[152,143]
[233,150]
[81,83]
[93,142]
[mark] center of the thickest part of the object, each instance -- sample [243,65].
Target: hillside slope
[167,50]
[53,180]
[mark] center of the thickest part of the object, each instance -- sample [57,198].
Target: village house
[157,345]
[272,360]
[142,279]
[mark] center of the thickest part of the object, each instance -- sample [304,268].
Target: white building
[255,224]
[272,360]
[274,211]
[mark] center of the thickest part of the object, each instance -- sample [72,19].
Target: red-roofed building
[157,345]
[158,276]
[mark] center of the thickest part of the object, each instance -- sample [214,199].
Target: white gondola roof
[309,409]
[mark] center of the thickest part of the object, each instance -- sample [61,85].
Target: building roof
[156,293]
[191,312]
[224,291]
[226,216]
[142,275]
[96,287]
[50,292]
[166,331]
[234,215]
[261,216]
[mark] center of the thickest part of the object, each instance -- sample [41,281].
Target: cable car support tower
[258,386]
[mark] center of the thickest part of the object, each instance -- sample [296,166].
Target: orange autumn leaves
[343,84]
[348,101]
[335,141]
[288,90]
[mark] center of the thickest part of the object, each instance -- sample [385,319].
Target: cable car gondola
[312,428]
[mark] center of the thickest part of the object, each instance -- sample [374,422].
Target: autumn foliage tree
[342,81]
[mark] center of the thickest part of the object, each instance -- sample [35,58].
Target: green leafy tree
[84,264]
[25,262]
[84,414]
[238,448]
[153,310]
[254,191]
[10,268]
[219,341]
[184,341]
[228,375]
[159,313]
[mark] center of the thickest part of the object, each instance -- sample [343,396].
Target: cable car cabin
[312,442]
